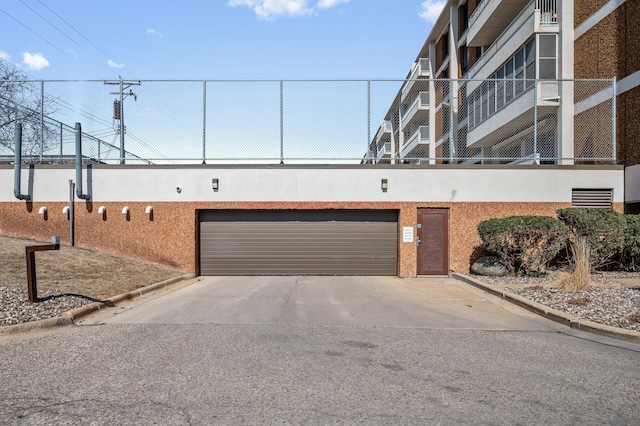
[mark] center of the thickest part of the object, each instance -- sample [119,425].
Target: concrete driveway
[365,301]
[318,351]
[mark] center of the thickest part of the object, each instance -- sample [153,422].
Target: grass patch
[76,270]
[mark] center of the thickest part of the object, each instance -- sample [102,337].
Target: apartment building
[499,81]
[496,82]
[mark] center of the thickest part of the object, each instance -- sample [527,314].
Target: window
[463,12]
[476,106]
[492,96]
[445,45]
[547,60]
[464,59]
[519,71]
[508,69]
[530,62]
[499,76]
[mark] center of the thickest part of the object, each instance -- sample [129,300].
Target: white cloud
[35,61]
[326,4]
[4,55]
[431,9]
[114,64]
[268,10]
[152,32]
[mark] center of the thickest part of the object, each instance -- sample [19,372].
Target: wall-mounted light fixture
[42,210]
[102,210]
[384,185]
[66,210]
[149,210]
[125,212]
[214,185]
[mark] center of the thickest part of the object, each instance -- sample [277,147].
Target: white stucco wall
[290,183]
[632,184]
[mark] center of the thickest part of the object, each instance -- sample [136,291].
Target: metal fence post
[535,117]
[613,120]
[281,122]
[204,122]
[41,119]
[368,115]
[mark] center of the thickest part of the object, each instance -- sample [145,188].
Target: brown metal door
[433,242]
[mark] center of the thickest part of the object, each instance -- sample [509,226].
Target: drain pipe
[17,164]
[79,164]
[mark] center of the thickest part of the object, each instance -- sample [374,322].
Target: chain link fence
[417,121]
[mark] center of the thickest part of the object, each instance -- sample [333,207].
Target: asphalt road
[313,350]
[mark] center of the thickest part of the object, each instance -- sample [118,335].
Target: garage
[298,242]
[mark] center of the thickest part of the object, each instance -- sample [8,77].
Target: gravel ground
[607,302]
[16,309]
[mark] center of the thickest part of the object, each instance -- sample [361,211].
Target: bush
[604,229]
[524,244]
[579,278]
[632,242]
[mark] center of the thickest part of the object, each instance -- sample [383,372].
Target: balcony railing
[385,127]
[420,135]
[517,28]
[421,102]
[548,15]
[477,12]
[385,150]
[420,69]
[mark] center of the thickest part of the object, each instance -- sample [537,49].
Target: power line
[44,39]
[49,22]
[74,29]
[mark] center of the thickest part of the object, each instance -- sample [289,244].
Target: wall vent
[592,198]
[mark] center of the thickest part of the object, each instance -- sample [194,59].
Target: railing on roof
[318,122]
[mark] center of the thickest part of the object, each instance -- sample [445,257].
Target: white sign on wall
[407,234]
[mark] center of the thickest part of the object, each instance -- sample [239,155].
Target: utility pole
[118,107]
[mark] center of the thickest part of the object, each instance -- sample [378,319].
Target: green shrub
[632,242]
[604,229]
[524,244]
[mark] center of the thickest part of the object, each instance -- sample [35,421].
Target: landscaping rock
[489,266]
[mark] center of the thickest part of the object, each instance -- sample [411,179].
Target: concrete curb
[71,316]
[553,314]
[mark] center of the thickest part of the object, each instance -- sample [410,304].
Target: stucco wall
[170,235]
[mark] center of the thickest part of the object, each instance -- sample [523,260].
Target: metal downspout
[17,164]
[79,164]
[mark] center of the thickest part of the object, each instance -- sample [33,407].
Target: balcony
[417,144]
[417,110]
[519,30]
[518,115]
[384,132]
[384,151]
[490,19]
[547,8]
[420,69]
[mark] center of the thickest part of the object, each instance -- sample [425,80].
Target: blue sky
[214,39]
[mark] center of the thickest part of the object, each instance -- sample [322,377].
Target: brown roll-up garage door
[298,242]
